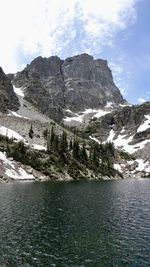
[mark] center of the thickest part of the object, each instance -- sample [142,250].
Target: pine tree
[56,143]
[31,133]
[52,136]
[76,149]
[70,145]
[63,142]
[63,149]
[48,142]
[83,154]
[95,155]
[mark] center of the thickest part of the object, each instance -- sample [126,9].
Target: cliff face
[8,99]
[79,92]
[77,83]
[127,127]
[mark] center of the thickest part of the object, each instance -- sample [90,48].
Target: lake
[76,224]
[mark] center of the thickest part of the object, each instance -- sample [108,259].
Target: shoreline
[9,180]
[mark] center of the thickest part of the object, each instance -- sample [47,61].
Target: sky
[116,30]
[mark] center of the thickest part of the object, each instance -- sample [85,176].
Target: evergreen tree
[83,154]
[48,142]
[70,145]
[56,143]
[63,142]
[76,149]
[63,149]
[94,157]
[52,137]
[31,133]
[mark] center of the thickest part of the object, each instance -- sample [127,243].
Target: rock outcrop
[8,99]
[126,119]
[79,92]
[54,85]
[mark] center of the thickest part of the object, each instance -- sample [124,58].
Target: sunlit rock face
[77,83]
[127,127]
[8,99]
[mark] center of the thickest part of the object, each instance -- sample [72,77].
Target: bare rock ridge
[78,91]
[54,85]
[125,119]
[8,99]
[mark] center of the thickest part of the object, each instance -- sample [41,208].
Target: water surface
[76,224]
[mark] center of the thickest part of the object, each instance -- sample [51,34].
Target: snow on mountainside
[83,116]
[18,91]
[77,83]
[78,92]
[145,125]
[12,170]
[128,129]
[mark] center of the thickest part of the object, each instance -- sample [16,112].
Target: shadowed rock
[76,83]
[8,99]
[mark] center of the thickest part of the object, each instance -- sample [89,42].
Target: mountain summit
[76,83]
[71,123]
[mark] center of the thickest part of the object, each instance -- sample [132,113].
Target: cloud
[63,27]
[141,100]
[144,98]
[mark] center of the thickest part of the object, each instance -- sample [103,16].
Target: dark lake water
[75,224]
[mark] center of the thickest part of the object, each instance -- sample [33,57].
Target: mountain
[54,85]
[75,106]
[8,99]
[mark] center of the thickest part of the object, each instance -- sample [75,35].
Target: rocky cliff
[128,128]
[8,99]
[54,85]
[79,92]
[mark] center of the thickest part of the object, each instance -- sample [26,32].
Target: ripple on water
[75,224]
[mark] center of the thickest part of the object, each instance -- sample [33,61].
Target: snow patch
[10,134]
[17,115]
[5,160]
[123,142]
[19,175]
[123,130]
[19,91]
[11,172]
[95,139]
[111,136]
[109,105]
[143,166]
[79,117]
[38,147]
[68,110]
[145,125]
[101,113]
[117,167]
[125,105]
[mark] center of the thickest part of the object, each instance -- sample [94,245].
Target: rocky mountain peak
[76,83]
[46,67]
[85,67]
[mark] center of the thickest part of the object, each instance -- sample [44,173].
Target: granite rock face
[122,119]
[54,85]
[8,99]
[127,127]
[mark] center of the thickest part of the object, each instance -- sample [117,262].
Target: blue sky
[116,30]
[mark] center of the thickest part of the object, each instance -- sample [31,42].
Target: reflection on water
[75,224]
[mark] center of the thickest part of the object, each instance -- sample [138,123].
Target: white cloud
[63,27]
[141,100]
[144,98]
